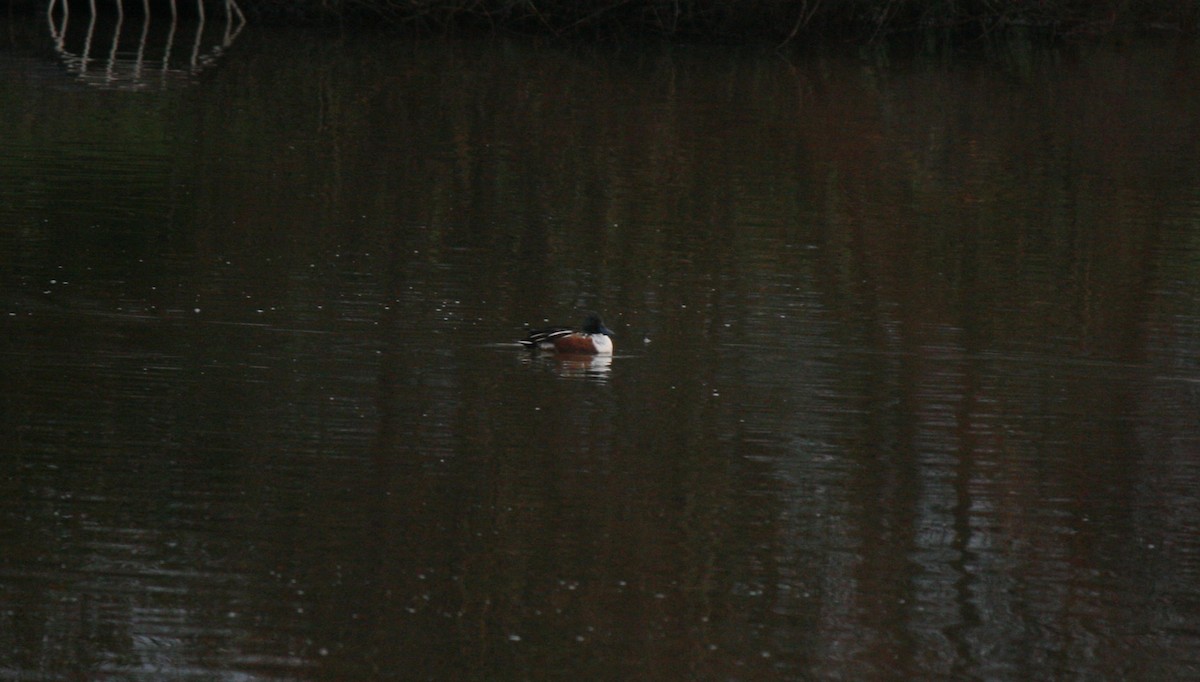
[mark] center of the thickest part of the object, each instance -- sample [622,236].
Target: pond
[905,384]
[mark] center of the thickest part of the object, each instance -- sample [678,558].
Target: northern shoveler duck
[593,339]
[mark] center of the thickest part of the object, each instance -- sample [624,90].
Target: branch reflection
[101,50]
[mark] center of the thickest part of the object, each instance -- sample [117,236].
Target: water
[905,386]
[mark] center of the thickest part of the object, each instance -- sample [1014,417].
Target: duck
[591,339]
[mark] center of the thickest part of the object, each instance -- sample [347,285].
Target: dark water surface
[907,379]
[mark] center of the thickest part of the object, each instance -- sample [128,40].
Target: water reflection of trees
[893,343]
[899,338]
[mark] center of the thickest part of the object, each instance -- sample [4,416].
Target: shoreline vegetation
[778,21]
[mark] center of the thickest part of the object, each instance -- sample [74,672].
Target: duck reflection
[110,51]
[592,367]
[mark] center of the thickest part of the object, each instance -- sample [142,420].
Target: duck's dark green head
[592,324]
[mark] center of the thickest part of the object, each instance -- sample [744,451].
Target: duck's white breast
[603,344]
